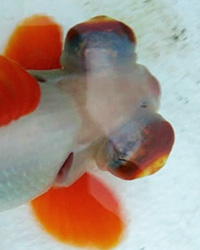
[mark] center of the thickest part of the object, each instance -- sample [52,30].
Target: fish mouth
[64,170]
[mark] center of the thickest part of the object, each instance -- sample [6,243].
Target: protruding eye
[139,148]
[100,32]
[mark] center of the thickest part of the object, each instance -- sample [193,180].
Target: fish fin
[86,214]
[36,43]
[19,91]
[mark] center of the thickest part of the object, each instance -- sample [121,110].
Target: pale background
[163,210]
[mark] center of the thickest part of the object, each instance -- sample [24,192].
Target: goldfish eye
[98,33]
[139,148]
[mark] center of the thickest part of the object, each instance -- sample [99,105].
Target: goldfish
[117,99]
[96,108]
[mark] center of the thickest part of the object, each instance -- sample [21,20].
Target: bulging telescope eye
[139,148]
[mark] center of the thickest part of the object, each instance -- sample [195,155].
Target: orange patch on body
[85,214]
[19,91]
[36,43]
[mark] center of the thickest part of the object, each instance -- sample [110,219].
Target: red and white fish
[95,108]
[67,213]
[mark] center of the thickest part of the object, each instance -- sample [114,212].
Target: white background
[164,209]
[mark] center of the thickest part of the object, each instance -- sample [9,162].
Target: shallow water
[162,210]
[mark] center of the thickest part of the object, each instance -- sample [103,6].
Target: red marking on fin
[19,91]
[85,214]
[36,43]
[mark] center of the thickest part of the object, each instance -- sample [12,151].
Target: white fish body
[34,147]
